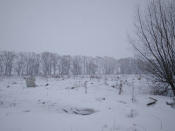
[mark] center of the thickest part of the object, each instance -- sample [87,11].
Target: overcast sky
[75,27]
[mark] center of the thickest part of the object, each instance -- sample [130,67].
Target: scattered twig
[153,102]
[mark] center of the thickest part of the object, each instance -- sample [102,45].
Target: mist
[88,27]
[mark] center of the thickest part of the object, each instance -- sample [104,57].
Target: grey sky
[85,27]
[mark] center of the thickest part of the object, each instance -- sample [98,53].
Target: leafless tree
[20,64]
[54,63]
[155,39]
[1,64]
[128,66]
[76,63]
[109,65]
[32,64]
[91,68]
[46,63]
[8,59]
[65,65]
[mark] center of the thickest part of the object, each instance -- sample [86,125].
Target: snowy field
[63,105]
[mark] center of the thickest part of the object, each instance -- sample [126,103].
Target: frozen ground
[62,105]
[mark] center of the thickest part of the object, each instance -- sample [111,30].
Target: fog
[75,27]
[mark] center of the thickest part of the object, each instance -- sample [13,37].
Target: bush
[162,89]
[30,82]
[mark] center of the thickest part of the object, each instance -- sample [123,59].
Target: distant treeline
[52,64]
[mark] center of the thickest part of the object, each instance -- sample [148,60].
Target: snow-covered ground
[61,105]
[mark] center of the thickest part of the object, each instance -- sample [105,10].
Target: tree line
[52,64]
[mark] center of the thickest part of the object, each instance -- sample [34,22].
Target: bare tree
[8,59]
[54,63]
[109,65]
[20,63]
[32,64]
[1,64]
[91,68]
[128,66]
[65,65]
[46,63]
[156,39]
[76,63]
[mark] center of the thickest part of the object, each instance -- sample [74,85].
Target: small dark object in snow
[86,111]
[14,83]
[75,112]
[8,86]
[123,102]
[73,87]
[46,84]
[113,86]
[44,102]
[27,111]
[82,111]
[65,110]
[153,102]
[1,102]
[172,104]
[103,98]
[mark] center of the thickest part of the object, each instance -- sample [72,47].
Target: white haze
[75,27]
